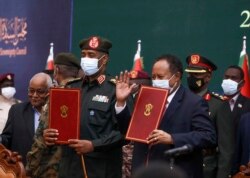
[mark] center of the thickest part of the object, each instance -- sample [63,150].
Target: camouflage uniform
[43,160]
[127,153]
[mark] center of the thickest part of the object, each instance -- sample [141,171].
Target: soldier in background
[43,161]
[7,92]
[200,71]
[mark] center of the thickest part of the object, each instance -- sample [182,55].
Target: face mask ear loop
[171,77]
[98,63]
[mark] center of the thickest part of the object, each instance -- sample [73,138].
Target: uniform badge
[207,97]
[94,42]
[133,74]
[198,83]
[91,113]
[101,79]
[239,105]
[100,98]
[195,59]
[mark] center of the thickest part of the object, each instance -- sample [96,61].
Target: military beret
[199,64]
[96,43]
[67,59]
[7,77]
[140,74]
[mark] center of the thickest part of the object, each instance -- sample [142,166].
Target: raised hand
[123,89]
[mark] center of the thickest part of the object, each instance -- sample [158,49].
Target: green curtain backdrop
[210,28]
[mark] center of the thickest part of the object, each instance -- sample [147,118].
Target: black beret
[7,77]
[199,64]
[96,43]
[67,59]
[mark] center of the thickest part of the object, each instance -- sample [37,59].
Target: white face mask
[229,87]
[8,92]
[162,83]
[90,65]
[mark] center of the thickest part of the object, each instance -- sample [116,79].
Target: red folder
[148,111]
[64,113]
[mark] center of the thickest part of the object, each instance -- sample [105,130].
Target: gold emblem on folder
[64,111]
[148,109]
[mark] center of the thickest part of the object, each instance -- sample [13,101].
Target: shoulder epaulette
[113,80]
[73,80]
[218,96]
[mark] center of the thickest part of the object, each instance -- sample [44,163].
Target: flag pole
[244,46]
[84,167]
[139,47]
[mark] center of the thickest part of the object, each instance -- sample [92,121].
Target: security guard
[200,71]
[97,152]
[7,92]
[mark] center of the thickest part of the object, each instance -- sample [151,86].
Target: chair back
[11,165]
[244,172]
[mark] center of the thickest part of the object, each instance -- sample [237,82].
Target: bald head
[42,78]
[38,91]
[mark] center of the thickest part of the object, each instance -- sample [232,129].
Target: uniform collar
[99,80]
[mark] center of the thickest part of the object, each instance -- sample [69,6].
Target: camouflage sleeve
[35,154]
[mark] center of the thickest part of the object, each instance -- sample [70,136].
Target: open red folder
[64,113]
[147,114]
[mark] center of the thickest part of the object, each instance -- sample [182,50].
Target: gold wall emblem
[64,111]
[13,30]
[148,109]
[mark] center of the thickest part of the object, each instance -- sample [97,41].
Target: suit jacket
[227,123]
[187,120]
[5,105]
[19,130]
[242,151]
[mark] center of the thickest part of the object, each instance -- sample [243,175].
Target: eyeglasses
[39,92]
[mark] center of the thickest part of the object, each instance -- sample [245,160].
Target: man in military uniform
[43,161]
[200,71]
[100,138]
[7,92]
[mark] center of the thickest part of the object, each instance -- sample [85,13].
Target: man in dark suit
[185,121]
[242,151]
[23,118]
[200,70]
[228,117]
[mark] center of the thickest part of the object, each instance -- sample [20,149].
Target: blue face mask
[90,65]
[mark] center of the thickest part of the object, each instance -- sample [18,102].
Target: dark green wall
[209,27]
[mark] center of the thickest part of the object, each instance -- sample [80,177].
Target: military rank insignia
[100,98]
